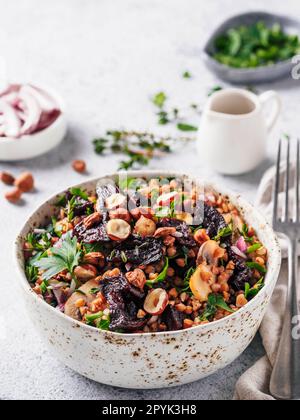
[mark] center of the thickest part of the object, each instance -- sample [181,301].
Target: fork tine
[298,183]
[287,180]
[277,184]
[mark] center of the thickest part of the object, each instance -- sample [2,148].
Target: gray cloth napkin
[254,384]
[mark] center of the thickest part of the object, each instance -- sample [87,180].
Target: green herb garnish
[256,266]
[251,292]
[187,75]
[104,324]
[66,257]
[186,127]
[255,45]
[214,302]
[253,248]
[162,276]
[224,233]
[159,99]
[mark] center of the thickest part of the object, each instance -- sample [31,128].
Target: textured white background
[106,58]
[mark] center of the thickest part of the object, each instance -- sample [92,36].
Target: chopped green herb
[253,248]
[78,192]
[214,302]
[186,283]
[251,292]
[103,324]
[93,317]
[255,45]
[256,266]
[162,276]
[32,273]
[224,233]
[44,287]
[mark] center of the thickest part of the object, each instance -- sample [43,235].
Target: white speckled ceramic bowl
[159,360]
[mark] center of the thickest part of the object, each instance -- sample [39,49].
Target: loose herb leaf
[66,257]
[159,99]
[256,266]
[187,75]
[214,90]
[186,127]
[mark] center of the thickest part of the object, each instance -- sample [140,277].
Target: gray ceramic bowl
[150,360]
[250,76]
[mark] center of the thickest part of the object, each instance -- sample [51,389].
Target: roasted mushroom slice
[70,306]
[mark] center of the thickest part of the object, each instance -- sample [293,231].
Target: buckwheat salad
[145,256]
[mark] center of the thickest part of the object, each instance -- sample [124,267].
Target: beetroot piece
[213,221]
[124,302]
[242,274]
[185,238]
[91,235]
[138,251]
[173,319]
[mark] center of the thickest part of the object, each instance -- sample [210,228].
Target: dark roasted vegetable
[213,221]
[186,238]
[173,319]
[92,235]
[124,301]
[138,251]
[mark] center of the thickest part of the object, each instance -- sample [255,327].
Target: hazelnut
[92,220]
[115,201]
[164,231]
[156,302]
[7,178]
[120,214]
[241,301]
[94,258]
[25,182]
[145,227]
[79,166]
[85,272]
[118,229]
[137,278]
[138,212]
[14,195]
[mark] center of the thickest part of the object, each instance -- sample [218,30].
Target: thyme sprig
[138,147]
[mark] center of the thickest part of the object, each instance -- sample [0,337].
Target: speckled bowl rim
[243,206]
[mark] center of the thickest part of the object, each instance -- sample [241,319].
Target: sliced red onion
[128,266]
[177,235]
[241,244]
[238,252]
[32,112]
[12,122]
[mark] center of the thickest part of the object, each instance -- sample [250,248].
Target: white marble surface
[106,57]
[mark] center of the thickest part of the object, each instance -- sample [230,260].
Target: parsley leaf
[159,99]
[66,257]
[186,127]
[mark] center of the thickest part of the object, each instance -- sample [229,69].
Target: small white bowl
[33,145]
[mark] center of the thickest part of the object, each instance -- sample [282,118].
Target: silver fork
[285,380]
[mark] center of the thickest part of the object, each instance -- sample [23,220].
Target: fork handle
[285,380]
